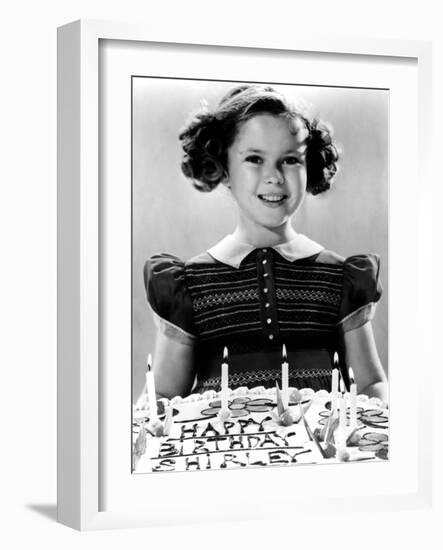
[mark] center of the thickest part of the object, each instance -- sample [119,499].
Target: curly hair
[208,136]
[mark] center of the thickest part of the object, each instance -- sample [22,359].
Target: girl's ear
[225,180]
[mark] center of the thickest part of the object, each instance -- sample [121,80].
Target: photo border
[79,257]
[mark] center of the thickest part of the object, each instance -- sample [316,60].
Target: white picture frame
[83,396]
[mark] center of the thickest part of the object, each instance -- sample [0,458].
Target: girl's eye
[291,160]
[255,159]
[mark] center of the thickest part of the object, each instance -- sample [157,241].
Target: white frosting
[257,438]
[141,409]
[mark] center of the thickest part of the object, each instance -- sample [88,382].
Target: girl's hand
[362,356]
[378,390]
[173,366]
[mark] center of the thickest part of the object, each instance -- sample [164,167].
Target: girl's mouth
[273,198]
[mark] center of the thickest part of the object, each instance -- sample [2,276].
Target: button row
[266,291]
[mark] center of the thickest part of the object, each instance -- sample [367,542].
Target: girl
[265,284]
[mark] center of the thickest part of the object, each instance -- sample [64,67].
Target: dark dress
[268,301]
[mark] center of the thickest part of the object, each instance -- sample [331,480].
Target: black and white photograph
[259,274]
[221,281]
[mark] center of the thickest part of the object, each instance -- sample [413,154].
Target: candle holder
[286,416]
[343,454]
[354,438]
[139,446]
[326,433]
[159,428]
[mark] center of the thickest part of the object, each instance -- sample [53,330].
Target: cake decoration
[257,427]
[251,437]
[239,406]
[224,413]
[284,380]
[353,400]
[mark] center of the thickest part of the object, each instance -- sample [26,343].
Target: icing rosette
[240,406]
[373,418]
[374,442]
[156,428]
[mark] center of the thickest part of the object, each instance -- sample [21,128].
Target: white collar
[232,252]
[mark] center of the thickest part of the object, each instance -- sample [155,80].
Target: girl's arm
[173,366]
[362,356]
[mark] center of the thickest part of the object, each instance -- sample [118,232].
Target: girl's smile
[267,173]
[273,199]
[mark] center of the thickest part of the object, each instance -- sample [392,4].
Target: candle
[340,433]
[334,390]
[334,398]
[336,361]
[224,380]
[285,379]
[345,399]
[353,399]
[150,387]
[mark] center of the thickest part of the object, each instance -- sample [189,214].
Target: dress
[254,300]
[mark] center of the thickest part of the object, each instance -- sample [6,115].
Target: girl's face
[267,170]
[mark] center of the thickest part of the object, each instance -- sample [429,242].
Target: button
[265,290]
[265,274]
[267,304]
[271,337]
[269,320]
[265,261]
[265,250]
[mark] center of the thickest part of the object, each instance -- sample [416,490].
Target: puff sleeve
[171,304]
[361,291]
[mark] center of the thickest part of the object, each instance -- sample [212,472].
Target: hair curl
[207,137]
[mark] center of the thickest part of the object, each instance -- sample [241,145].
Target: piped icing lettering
[192,462]
[165,465]
[268,440]
[210,429]
[249,422]
[189,431]
[252,462]
[229,458]
[254,440]
[228,426]
[169,449]
[216,440]
[200,446]
[236,441]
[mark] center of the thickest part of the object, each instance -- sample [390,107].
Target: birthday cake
[194,433]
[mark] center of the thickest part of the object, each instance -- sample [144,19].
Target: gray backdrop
[169,215]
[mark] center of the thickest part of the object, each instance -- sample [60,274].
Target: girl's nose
[275,177]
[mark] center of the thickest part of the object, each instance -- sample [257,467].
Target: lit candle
[342,394]
[353,399]
[341,430]
[224,380]
[285,379]
[334,397]
[150,387]
[334,390]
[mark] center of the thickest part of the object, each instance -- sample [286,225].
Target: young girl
[264,285]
